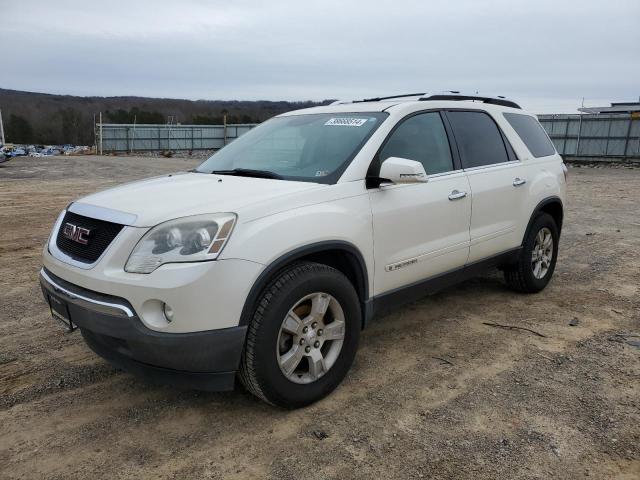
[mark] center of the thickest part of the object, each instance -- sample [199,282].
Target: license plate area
[60,312]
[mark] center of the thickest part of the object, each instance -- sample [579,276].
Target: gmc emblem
[76,233]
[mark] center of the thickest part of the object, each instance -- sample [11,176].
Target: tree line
[38,118]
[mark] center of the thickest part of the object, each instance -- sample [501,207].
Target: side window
[421,138]
[478,138]
[531,133]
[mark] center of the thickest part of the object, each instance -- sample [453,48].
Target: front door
[420,230]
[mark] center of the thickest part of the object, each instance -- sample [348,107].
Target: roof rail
[390,97]
[455,95]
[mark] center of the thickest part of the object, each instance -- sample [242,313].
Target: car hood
[155,200]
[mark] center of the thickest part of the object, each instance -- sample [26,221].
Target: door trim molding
[394,298]
[490,236]
[392,267]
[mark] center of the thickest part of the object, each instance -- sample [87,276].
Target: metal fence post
[224,118]
[606,144]
[626,141]
[566,135]
[133,140]
[579,132]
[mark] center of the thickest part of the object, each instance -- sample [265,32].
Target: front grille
[101,235]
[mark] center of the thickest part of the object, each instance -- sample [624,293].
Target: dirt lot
[506,403]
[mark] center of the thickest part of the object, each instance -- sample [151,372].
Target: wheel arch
[551,205]
[341,255]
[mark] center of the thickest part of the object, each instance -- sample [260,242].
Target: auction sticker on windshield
[346,122]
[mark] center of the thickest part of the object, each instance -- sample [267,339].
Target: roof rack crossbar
[491,100]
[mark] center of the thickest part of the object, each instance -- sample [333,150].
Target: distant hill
[43,118]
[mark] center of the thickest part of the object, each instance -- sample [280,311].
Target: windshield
[312,148]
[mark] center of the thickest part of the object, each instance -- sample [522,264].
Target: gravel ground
[434,393]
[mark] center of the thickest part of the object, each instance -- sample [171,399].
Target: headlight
[187,239]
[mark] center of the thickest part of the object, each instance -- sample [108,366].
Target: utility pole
[1,130]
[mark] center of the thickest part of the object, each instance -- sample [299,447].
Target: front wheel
[303,336]
[537,261]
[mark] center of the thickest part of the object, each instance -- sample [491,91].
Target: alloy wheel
[310,338]
[542,253]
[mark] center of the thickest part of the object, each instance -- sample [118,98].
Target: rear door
[420,229]
[496,178]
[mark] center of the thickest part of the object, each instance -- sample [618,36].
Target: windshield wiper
[248,172]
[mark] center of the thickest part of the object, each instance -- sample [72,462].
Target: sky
[546,54]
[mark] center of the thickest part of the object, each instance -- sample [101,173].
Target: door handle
[518,181]
[457,195]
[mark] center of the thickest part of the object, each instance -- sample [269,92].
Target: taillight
[565,170]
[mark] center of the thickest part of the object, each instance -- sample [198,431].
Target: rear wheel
[537,261]
[303,336]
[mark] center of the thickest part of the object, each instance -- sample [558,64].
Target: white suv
[266,261]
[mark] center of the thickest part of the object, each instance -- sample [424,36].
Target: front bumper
[203,295]
[206,360]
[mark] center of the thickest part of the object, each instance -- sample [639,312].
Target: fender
[359,266]
[539,208]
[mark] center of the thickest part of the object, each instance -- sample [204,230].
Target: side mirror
[401,170]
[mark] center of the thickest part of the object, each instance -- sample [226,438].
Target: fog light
[168,312]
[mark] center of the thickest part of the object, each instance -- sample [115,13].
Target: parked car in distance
[18,152]
[48,151]
[266,261]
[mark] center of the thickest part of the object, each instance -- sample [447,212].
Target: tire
[523,276]
[302,289]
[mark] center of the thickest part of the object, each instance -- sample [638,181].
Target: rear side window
[421,138]
[531,133]
[478,138]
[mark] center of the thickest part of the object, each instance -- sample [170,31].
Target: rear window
[531,133]
[479,141]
